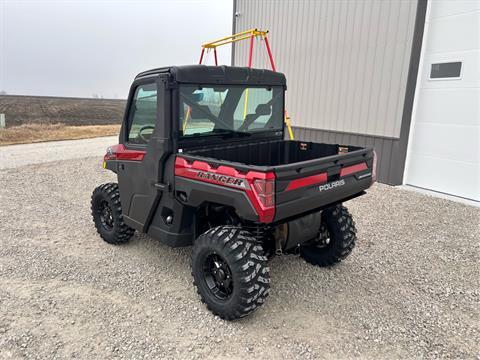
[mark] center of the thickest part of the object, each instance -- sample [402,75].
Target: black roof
[203,74]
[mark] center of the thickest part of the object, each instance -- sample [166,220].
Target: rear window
[207,110]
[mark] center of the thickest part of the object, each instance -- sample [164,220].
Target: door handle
[160,186]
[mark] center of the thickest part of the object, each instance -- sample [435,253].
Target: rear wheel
[335,241]
[230,271]
[107,214]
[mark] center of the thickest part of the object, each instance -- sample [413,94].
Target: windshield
[232,109]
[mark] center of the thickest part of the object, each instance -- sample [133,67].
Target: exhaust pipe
[278,246]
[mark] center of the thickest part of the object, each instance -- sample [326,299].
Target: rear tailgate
[313,184]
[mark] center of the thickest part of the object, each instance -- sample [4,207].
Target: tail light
[374,167]
[119,152]
[261,193]
[265,190]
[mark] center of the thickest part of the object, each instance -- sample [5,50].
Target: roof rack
[244,35]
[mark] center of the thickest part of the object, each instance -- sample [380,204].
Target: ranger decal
[223,179]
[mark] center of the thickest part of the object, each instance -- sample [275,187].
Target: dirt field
[70,111]
[409,290]
[31,133]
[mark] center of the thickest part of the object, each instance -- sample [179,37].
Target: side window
[143,114]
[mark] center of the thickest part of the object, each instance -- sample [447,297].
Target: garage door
[444,149]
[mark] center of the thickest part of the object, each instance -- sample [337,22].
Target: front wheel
[107,215]
[230,271]
[336,239]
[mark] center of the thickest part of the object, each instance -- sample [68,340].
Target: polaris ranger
[202,161]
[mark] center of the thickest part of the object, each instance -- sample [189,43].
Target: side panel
[195,193]
[224,185]
[173,223]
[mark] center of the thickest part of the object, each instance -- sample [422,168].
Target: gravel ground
[409,290]
[26,154]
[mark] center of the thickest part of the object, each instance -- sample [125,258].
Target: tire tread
[342,231]
[121,231]
[246,259]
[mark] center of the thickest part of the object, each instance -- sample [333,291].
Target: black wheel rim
[106,215]
[323,241]
[218,276]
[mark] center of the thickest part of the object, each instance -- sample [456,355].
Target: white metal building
[444,146]
[400,75]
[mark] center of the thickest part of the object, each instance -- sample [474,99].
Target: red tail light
[374,167]
[265,190]
[119,152]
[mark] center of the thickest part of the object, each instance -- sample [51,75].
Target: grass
[31,133]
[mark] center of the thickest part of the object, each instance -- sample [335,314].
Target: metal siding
[346,61]
[399,148]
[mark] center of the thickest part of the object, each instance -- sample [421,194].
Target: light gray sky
[81,48]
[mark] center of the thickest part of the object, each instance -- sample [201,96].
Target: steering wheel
[143,128]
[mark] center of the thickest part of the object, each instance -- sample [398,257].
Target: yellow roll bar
[247,34]
[234,38]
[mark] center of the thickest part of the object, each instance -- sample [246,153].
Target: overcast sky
[81,48]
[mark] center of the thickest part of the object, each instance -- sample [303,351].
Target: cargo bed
[308,175]
[270,153]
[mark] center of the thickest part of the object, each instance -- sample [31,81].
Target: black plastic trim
[199,193]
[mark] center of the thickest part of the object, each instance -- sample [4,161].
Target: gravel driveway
[27,154]
[409,290]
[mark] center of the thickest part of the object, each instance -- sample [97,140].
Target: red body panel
[323,177]
[230,177]
[307,181]
[353,169]
[119,152]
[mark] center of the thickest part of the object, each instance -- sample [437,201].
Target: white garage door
[444,149]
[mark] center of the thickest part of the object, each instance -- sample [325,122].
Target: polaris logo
[224,179]
[331,185]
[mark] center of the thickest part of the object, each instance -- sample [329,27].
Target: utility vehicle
[202,160]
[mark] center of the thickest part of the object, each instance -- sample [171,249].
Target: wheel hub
[106,216]
[218,276]
[323,238]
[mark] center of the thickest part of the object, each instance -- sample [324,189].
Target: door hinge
[169,85]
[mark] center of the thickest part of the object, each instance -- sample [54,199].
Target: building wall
[348,65]
[444,151]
